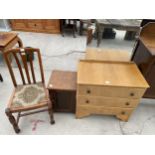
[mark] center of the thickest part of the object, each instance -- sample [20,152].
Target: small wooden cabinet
[62,90]
[36,25]
[111,88]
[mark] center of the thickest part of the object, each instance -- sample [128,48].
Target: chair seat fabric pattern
[26,95]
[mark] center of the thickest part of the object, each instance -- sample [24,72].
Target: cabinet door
[52,25]
[18,24]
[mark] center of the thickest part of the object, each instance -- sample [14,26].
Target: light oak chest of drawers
[110,88]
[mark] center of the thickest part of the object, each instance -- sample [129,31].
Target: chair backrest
[24,59]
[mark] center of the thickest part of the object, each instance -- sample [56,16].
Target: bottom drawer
[121,113]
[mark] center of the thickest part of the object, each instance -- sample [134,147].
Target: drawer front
[107,101]
[35,26]
[18,24]
[52,25]
[103,110]
[123,92]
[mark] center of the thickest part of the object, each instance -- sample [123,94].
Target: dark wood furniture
[146,21]
[62,90]
[30,95]
[131,26]
[83,22]
[36,25]
[144,56]
[68,25]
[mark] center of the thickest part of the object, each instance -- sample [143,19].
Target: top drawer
[18,24]
[110,91]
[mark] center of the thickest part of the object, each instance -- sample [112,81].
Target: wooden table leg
[20,43]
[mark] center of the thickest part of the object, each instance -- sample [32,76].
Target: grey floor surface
[63,53]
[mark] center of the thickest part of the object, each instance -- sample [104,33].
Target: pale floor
[64,53]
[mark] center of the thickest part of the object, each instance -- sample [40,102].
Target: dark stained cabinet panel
[144,57]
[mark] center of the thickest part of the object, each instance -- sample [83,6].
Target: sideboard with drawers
[36,25]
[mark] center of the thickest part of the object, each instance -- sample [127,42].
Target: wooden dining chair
[30,94]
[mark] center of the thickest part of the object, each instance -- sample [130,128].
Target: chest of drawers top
[105,73]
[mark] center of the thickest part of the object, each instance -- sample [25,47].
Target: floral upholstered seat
[27,95]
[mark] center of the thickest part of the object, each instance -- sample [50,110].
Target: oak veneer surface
[107,101]
[6,37]
[106,54]
[108,88]
[105,73]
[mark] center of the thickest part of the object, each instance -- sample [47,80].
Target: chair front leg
[12,120]
[50,111]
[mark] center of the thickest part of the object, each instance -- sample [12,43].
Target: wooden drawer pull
[35,24]
[88,91]
[87,101]
[123,112]
[132,94]
[127,103]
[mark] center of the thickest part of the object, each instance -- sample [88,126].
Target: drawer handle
[35,25]
[127,103]
[123,112]
[132,94]
[88,91]
[87,101]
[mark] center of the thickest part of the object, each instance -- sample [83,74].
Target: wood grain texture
[110,74]
[144,56]
[106,54]
[62,80]
[62,90]
[109,88]
[6,37]
[107,101]
[147,36]
[45,102]
[121,113]
[110,91]
[36,25]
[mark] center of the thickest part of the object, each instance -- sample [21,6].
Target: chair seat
[29,95]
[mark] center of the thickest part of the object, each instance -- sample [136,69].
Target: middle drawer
[107,101]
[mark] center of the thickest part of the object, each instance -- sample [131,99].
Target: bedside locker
[110,88]
[62,90]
